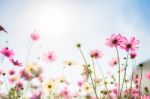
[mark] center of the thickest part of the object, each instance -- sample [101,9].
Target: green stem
[89,73]
[118,71]
[124,76]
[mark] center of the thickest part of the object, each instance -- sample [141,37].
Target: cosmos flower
[13,79]
[35,36]
[87,87]
[114,40]
[49,57]
[11,72]
[113,62]
[7,52]
[130,45]
[147,75]
[34,69]
[15,63]
[65,93]
[19,85]
[133,55]
[36,95]
[96,54]
[49,86]
[25,75]
[69,63]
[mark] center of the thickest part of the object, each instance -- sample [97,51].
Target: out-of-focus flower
[19,85]
[11,72]
[49,57]
[1,72]
[15,63]
[61,79]
[145,97]
[49,86]
[130,45]
[87,88]
[35,36]
[80,83]
[36,95]
[34,69]
[86,72]
[65,93]
[25,75]
[7,52]
[133,55]
[13,79]
[69,63]
[96,54]
[147,75]
[113,62]
[114,40]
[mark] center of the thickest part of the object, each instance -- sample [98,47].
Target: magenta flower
[49,57]
[36,95]
[147,75]
[114,40]
[11,72]
[19,85]
[113,62]
[96,54]
[130,45]
[15,63]
[35,36]
[133,55]
[7,52]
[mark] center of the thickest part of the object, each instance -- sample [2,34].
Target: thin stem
[118,71]
[133,69]
[103,79]
[124,76]
[140,81]
[89,73]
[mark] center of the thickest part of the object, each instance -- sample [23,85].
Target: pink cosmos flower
[96,54]
[36,95]
[19,85]
[130,45]
[147,75]
[11,72]
[65,93]
[80,83]
[25,75]
[35,36]
[1,72]
[49,57]
[15,63]
[7,52]
[113,62]
[133,55]
[114,40]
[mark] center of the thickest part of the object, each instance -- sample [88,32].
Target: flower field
[25,79]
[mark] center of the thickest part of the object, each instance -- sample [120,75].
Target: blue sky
[63,23]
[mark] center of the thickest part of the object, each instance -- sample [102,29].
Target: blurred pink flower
[15,63]
[19,85]
[96,54]
[11,72]
[65,93]
[36,95]
[25,75]
[133,55]
[35,36]
[147,75]
[145,97]
[113,62]
[7,52]
[130,45]
[80,83]
[114,40]
[49,57]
